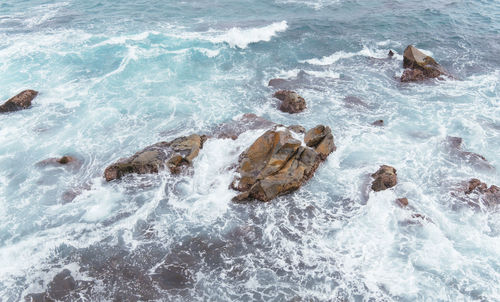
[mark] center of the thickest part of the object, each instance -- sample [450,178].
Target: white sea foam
[341,55]
[242,37]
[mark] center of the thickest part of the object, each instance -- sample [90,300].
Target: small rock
[402,202]
[378,123]
[19,102]
[390,54]
[297,129]
[385,178]
[291,101]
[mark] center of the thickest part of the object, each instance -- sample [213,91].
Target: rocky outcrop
[291,102]
[173,155]
[277,163]
[19,102]
[385,178]
[419,66]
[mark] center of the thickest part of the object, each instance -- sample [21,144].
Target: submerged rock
[291,102]
[174,155]
[62,288]
[277,163]
[65,160]
[385,178]
[378,123]
[454,144]
[247,121]
[19,102]
[419,66]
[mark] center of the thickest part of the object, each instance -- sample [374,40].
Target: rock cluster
[173,155]
[278,163]
[475,185]
[419,66]
[19,102]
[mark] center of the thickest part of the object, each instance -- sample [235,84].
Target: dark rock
[419,66]
[476,191]
[291,102]
[247,121]
[390,54]
[173,155]
[19,102]
[402,202]
[385,178]
[276,164]
[378,123]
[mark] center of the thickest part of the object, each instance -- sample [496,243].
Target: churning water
[116,76]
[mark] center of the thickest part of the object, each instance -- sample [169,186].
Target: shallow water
[116,77]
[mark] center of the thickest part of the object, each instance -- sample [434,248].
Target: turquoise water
[116,77]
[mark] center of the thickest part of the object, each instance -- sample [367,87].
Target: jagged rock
[19,102]
[173,155]
[385,178]
[419,66]
[390,54]
[247,121]
[378,123]
[291,102]
[277,163]
[402,202]
[321,139]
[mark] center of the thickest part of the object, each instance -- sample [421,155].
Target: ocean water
[116,76]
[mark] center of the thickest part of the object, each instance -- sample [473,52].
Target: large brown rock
[291,102]
[173,155]
[277,163]
[385,178]
[419,66]
[19,102]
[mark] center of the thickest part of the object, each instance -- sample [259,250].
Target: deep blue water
[115,77]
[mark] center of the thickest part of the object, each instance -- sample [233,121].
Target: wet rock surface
[351,101]
[385,178]
[174,155]
[277,163]
[291,102]
[19,102]
[378,123]
[419,66]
